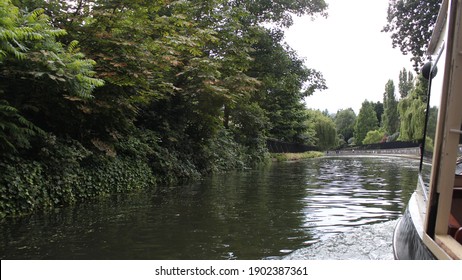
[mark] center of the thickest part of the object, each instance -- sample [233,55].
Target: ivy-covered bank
[63,171]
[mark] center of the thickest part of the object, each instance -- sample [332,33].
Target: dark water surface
[255,214]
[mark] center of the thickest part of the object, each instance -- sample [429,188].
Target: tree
[345,123]
[378,108]
[374,136]
[406,82]
[366,121]
[280,11]
[390,118]
[411,23]
[324,126]
[285,82]
[38,73]
[412,112]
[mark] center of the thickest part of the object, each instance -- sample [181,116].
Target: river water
[326,208]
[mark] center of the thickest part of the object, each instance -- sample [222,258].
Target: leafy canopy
[410,23]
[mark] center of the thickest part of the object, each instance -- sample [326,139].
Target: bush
[374,136]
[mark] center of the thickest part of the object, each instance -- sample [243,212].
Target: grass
[296,156]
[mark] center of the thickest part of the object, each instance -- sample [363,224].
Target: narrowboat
[431,226]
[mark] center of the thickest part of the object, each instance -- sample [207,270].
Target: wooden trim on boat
[439,27]
[452,121]
[450,246]
[439,253]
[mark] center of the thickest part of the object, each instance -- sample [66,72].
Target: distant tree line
[410,24]
[393,119]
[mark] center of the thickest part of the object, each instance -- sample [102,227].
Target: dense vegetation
[107,96]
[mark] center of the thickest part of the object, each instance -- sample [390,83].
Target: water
[284,210]
[366,242]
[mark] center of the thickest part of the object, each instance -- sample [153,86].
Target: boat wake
[367,242]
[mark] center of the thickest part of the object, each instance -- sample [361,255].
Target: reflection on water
[255,214]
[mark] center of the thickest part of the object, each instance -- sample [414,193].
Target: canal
[264,213]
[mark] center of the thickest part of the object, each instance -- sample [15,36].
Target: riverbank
[279,157]
[59,171]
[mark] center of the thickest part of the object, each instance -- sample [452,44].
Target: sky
[351,52]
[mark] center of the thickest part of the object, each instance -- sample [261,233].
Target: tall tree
[366,121]
[378,108]
[324,126]
[390,117]
[412,112]
[345,123]
[406,82]
[411,23]
[285,82]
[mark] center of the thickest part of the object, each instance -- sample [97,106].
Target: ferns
[15,130]
[29,36]
[18,30]
[29,51]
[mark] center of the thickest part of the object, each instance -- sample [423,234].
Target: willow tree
[324,127]
[412,112]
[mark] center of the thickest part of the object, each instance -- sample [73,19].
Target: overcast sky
[351,52]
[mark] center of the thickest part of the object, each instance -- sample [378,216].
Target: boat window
[435,86]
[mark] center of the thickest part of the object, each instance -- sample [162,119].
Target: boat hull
[407,239]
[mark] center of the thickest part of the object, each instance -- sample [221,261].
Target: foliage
[412,112]
[374,136]
[379,110]
[390,117]
[285,82]
[345,123]
[431,122]
[15,130]
[280,11]
[411,23]
[65,174]
[154,93]
[324,126]
[366,121]
[406,82]
[429,144]
[37,73]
